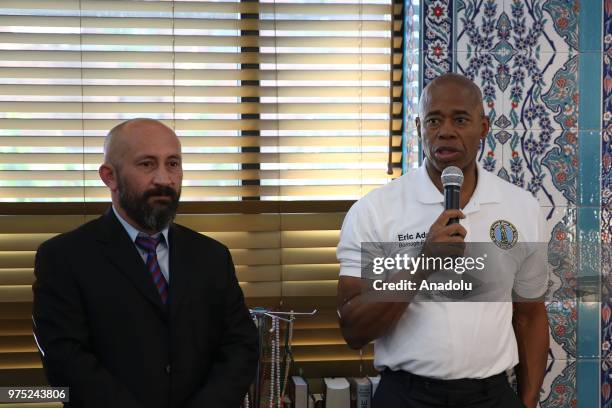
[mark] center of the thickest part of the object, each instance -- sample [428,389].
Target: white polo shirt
[448,340]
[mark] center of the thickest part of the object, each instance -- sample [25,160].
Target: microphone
[452,179]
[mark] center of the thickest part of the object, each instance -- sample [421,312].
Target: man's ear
[417,123]
[108,176]
[485,127]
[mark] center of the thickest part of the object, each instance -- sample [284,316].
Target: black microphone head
[452,176]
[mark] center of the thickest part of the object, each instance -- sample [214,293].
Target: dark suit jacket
[105,333]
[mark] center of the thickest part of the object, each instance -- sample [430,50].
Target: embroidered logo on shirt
[503,234]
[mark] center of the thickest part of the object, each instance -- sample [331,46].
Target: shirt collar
[487,187]
[426,191]
[486,190]
[133,232]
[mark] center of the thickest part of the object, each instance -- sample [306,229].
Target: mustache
[160,191]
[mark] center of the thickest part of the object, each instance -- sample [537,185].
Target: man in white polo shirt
[449,354]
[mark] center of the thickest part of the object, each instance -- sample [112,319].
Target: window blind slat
[77,67]
[272,100]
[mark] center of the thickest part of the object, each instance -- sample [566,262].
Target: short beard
[149,217]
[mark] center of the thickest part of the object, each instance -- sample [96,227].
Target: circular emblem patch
[504,234]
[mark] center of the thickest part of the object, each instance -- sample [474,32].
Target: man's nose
[162,177]
[446,129]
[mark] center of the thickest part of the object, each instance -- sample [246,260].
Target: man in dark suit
[131,310]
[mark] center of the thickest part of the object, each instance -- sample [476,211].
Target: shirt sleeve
[356,229]
[531,281]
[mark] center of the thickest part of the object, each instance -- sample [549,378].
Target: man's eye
[461,120]
[146,164]
[432,121]
[174,164]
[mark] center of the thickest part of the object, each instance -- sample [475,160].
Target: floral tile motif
[437,39]
[564,16]
[550,175]
[553,98]
[544,123]
[560,186]
[606,187]
[562,158]
[477,25]
[563,321]
[491,154]
[544,25]
[606,210]
[524,56]
[559,388]
[562,313]
[504,135]
[606,148]
[515,53]
[606,344]
[518,156]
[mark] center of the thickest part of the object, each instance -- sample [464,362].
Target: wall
[539,64]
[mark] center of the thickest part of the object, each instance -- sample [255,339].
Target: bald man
[444,354]
[132,310]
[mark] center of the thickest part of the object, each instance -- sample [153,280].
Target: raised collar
[487,190]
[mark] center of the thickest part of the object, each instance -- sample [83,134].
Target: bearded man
[132,310]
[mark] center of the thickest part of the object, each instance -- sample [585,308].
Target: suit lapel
[121,252]
[179,269]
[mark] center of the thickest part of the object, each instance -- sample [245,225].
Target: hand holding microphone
[446,236]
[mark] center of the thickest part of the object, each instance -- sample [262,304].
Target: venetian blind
[272,100]
[284,257]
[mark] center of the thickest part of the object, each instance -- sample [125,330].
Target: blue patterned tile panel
[477,25]
[520,55]
[606,325]
[562,317]
[606,142]
[437,39]
[562,314]
[535,68]
[559,388]
[564,16]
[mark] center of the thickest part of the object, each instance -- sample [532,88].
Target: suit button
[168,369]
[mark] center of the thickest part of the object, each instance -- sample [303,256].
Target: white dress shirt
[163,249]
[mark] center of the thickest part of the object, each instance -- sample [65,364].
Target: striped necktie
[149,245]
